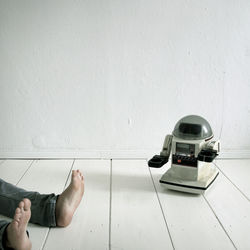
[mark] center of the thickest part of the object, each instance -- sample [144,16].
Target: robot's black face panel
[190,129]
[185,149]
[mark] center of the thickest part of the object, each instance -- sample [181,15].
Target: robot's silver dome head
[192,127]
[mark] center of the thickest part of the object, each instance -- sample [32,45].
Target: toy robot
[193,151]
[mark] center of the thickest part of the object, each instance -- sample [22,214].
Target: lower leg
[47,210]
[42,209]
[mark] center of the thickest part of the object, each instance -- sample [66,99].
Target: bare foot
[17,237]
[70,199]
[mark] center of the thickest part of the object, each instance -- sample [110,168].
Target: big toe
[27,204]
[74,173]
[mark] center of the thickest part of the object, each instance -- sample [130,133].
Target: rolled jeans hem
[3,227]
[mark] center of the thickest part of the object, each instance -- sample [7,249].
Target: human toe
[18,210]
[74,173]
[21,205]
[17,215]
[27,204]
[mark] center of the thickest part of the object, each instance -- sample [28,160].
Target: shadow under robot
[193,151]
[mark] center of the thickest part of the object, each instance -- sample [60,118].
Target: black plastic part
[184,160]
[207,155]
[157,161]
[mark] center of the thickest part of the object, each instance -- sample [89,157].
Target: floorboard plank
[232,209]
[238,171]
[191,222]
[12,170]
[89,228]
[136,220]
[45,176]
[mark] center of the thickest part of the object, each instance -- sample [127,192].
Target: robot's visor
[192,127]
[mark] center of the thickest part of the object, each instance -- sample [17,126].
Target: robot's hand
[157,161]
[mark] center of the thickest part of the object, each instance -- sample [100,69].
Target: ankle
[63,217]
[63,221]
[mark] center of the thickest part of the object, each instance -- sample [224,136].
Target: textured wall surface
[99,77]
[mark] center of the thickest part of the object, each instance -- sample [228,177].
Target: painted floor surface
[125,207]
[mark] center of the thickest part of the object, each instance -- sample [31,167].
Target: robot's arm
[210,151]
[159,160]
[167,146]
[214,145]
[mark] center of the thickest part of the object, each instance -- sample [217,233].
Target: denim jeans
[42,207]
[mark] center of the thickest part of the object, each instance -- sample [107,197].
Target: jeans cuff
[53,211]
[3,236]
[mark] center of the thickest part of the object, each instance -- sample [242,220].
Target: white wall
[103,78]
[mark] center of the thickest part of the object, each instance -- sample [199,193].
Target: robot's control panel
[184,160]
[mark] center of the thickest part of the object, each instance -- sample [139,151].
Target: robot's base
[197,187]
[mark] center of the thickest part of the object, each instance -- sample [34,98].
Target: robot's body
[193,151]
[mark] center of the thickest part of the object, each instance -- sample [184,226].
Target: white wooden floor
[124,206]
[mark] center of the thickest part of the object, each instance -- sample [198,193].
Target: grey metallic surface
[192,127]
